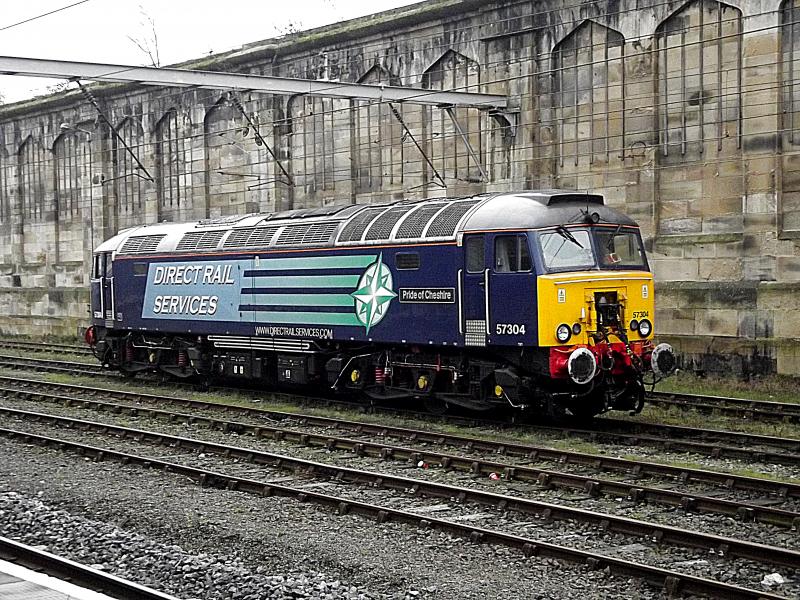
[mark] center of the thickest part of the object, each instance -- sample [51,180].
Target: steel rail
[742,438]
[44,346]
[76,573]
[546,478]
[53,366]
[724,546]
[672,581]
[760,410]
[614,430]
[527,451]
[664,436]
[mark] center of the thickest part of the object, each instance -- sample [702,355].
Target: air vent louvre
[307,234]
[446,222]
[250,237]
[381,227]
[356,226]
[141,244]
[200,240]
[414,224]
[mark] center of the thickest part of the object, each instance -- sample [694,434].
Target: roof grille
[307,234]
[250,237]
[381,227]
[445,223]
[414,224]
[200,240]
[356,226]
[141,244]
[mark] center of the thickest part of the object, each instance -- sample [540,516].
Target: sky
[102,30]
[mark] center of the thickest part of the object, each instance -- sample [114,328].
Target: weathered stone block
[718,322]
[670,269]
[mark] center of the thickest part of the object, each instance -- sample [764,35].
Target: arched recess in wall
[238,171]
[377,138]
[790,126]
[172,183]
[31,158]
[72,168]
[589,104]
[445,147]
[129,183]
[700,183]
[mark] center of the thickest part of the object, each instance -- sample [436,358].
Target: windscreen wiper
[565,233]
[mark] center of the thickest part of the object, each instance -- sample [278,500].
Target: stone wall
[684,114]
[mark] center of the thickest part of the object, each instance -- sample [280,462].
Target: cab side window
[475,249]
[511,254]
[109,264]
[97,268]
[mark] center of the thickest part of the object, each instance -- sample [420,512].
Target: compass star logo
[374,293]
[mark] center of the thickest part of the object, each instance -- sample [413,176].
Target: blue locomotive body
[434,298]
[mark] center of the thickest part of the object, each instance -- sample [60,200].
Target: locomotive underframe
[477,379]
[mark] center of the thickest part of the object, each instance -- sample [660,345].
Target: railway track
[435,448]
[45,347]
[752,410]
[704,442]
[76,573]
[748,409]
[385,496]
[51,366]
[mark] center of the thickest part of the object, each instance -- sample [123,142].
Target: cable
[43,15]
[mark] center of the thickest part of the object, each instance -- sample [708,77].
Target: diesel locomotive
[536,300]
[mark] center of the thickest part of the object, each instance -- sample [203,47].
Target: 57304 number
[510,329]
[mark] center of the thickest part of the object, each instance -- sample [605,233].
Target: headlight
[563,333]
[645,328]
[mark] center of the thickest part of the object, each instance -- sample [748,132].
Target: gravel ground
[265,538]
[584,536]
[659,513]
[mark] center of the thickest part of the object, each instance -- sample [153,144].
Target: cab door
[107,287]
[512,285]
[96,288]
[473,295]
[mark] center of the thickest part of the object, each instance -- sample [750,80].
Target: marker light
[634,325]
[576,328]
[645,328]
[563,333]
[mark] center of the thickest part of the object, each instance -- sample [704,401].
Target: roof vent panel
[381,228]
[445,223]
[250,237]
[200,240]
[141,244]
[357,225]
[414,224]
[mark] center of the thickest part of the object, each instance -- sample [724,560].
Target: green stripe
[306,318]
[300,299]
[315,262]
[306,281]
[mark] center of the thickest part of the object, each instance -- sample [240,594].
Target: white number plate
[510,329]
